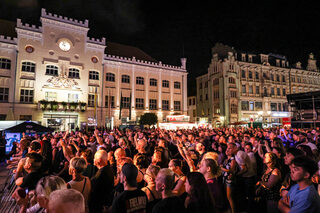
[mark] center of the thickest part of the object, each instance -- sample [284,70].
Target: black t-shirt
[130,201]
[169,205]
[30,180]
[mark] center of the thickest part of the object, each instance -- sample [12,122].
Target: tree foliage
[148,119]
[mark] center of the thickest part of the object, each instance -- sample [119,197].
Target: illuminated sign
[280,114]
[174,118]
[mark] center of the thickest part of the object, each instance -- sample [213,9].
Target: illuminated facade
[251,87]
[59,76]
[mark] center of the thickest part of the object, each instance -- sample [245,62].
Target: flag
[109,105]
[120,106]
[130,107]
[95,103]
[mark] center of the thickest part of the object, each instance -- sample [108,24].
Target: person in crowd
[270,183]
[91,169]
[199,199]
[175,165]
[170,203]
[302,197]
[229,168]
[141,162]
[79,182]
[131,199]
[101,184]
[212,173]
[44,188]
[153,195]
[66,201]
[33,167]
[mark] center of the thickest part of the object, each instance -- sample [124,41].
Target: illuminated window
[51,96]
[28,66]
[73,97]
[90,100]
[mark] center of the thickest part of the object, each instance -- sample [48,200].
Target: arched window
[28,66]
[51,70]
[231,80]
[125,79]
[93,75]
[140,80]
[5,63]
[110,77]
[165,83]
[74,73]
[153,82]
[177,84]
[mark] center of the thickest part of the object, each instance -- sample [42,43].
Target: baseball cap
[130,171]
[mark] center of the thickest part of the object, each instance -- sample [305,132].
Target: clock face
[64,44]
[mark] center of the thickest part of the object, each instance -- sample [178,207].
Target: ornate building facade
[57,75]
[251,88]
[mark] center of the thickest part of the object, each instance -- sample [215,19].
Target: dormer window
[283,63]
[243,57]
[250,58]
[278,62]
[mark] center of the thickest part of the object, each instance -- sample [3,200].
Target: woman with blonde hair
[79,182]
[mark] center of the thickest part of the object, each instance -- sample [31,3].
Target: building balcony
[61,106]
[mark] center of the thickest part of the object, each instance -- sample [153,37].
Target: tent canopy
[29,127]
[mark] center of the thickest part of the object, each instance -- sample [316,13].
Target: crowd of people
[154,170]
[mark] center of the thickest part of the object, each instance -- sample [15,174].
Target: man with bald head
[101,184]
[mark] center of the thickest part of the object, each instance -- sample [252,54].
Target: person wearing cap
[131,199]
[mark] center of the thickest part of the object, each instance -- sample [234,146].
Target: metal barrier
[7,203]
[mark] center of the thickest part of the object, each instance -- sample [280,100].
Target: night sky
[169,30]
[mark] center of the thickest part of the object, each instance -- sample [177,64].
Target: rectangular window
[272,91]
[257,76]
[250,74]
[165,104]
[52,70]
[5,63]
[93,75]
[153,82]
[279,106]
[28,66]
[125,101]
[26,96]
[3,117]
[257,89]
[165,84]
[139,103]
[125,79]
[233,94]
[74,73]
[205,84]
[284,91]
[245,105]
[273,106]
[278,91]
[258,105]
[243,73]
[90,100]
[285,107]
[194,113]
[111,98]
[250,89]
[110,77]
[4,94]
[206,97]
[251,105]
[244,89]
[194,102]
[73,97]
[50,96]
[140,80]
[177,85]
[152,104]
[25,117]
[177,105]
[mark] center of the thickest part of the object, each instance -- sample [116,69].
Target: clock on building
[64,44]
